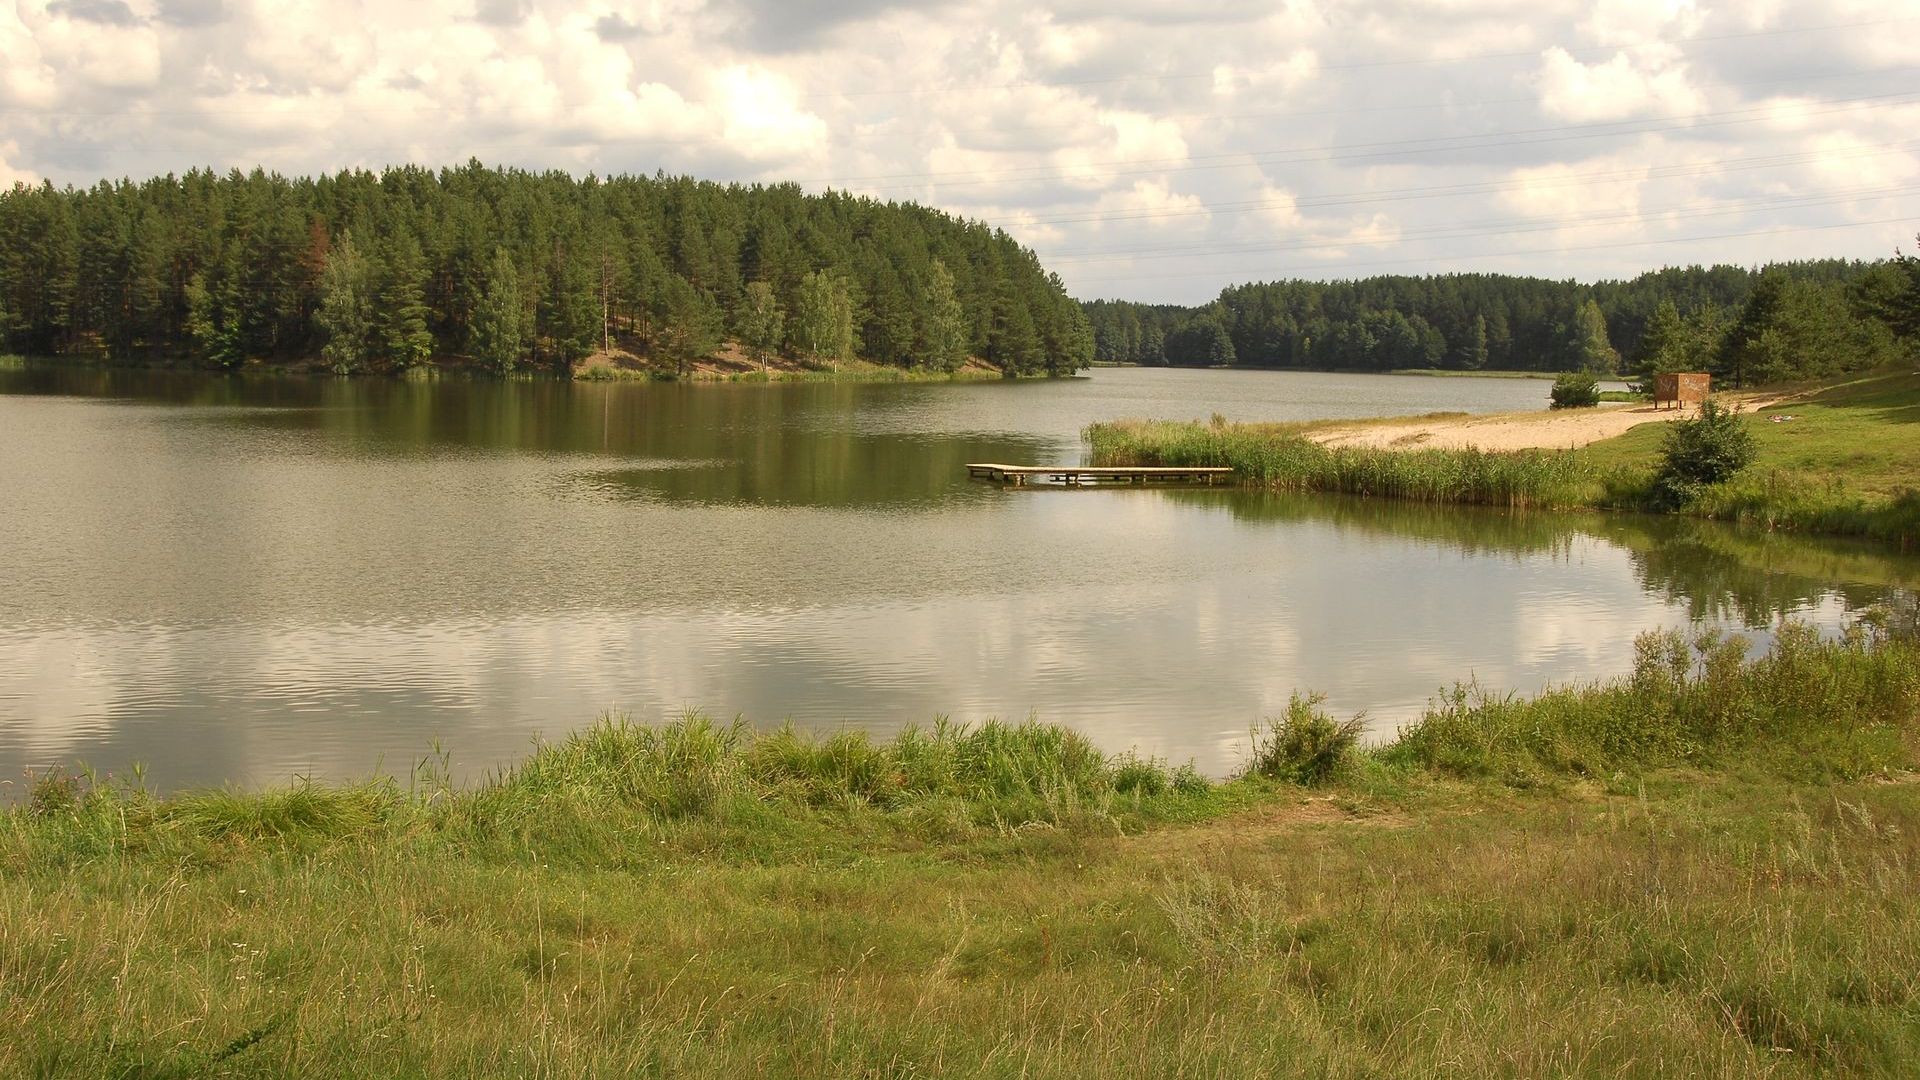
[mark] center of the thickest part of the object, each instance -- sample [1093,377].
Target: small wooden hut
[1681,388]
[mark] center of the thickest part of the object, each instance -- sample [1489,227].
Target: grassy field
[1705,868]
[1846,463]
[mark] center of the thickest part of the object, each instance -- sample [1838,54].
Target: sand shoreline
[1546,429]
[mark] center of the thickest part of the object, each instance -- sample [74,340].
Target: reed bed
[1282,458]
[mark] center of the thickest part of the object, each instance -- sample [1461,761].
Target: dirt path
[1543,430]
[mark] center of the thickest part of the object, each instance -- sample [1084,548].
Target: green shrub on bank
[1828,707]
[1306,746]
[1575,390]
[1699,453]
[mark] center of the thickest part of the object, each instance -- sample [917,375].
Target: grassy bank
[1284,458]
[1703,868]
[1842,459]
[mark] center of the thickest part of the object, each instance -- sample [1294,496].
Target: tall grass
[1813,707]
[1281,457]
[1285,460]
[697,898]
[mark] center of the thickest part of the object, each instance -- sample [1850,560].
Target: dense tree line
[1787,320]
[364,271]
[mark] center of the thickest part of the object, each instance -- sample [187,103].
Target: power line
[1363,65]
[1656,172]
[1496,228]
[1387,148]
[1282,273]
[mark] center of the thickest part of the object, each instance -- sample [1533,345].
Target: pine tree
[499,317]
[688,326]
[213,319]
[569,313]
[1591,350]
[402,335]
[346,312]
[1476,357]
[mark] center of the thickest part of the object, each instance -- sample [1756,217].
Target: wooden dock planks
[1085,475]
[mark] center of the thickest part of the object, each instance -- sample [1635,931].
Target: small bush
[1575,390]
[1306,746]
[1707,450]
[55,792]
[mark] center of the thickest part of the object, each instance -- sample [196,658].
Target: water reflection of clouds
[247,602]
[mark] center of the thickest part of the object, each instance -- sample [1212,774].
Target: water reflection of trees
[1716,571]
[1725,572]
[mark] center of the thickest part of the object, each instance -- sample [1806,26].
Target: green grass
[1847,464]
[9,362]
[1282,457]
[1550,886]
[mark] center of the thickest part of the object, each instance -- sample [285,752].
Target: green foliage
[1283,459]
[226,270]
[951,903]
[1575,390]
[1589,340]
[213,319]
[1824,707]
[401,329]
[943,337]
[1667,320]
[1796,329]
[346,313]
[686,324]
[1701,452]
[499,317]
[1306,746]
[822,323]
[762,321]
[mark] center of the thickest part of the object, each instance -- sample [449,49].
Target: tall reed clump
[694,769]
[1283,459]
[1840,707]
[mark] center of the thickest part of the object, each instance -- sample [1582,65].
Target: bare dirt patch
[1561,429]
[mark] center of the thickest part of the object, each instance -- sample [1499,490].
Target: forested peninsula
[1792,320]
[504,270]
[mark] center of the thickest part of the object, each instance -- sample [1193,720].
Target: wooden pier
[1084,475]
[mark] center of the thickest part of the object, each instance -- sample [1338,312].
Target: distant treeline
[364,271]
[1788,320]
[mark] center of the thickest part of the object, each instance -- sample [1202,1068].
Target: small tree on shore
[1709,449]
[762,321]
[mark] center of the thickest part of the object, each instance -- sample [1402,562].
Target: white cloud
[1625,86]
[760,116]
[1335,131]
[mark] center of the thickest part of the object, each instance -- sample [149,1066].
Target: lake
[240,580]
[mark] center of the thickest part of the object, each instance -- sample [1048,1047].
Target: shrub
[1576,390]
[1707,450]
[1306,746]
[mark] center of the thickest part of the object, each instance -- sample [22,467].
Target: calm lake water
[240,580]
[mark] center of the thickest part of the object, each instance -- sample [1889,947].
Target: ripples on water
[240,580]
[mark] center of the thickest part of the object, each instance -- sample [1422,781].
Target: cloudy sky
[1147,149]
